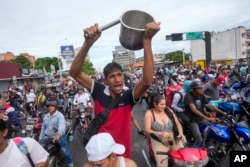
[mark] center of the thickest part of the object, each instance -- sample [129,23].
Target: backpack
[169,93]
[23,148]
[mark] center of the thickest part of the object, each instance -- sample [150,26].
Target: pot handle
[106,26]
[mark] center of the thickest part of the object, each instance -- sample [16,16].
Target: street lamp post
[60,67]
[183,56]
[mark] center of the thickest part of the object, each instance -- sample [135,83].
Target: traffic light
[177,37]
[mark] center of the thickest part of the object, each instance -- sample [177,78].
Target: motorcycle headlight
[83,115]
[200,163]
[29,127]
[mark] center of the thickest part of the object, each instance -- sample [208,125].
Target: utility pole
[208,47]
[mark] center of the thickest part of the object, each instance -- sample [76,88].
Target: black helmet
[196,84]
[80,87]
[51,103]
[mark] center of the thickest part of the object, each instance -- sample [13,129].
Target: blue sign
[67,52]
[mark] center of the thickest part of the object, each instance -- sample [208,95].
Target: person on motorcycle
[15,99]
[195,102]
[54,127]
[5,96]
[11,155]
[70,93]
[81,98]
[29,98]
[51,95]
[102,150]
[15,124]
[28,85]
[161,121]
[246,94]
[178,105]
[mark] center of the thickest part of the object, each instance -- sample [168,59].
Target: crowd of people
[112,145]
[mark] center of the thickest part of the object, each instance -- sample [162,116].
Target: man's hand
[151,29]
[92,33]
[56,138]
[213,120]
[208,114]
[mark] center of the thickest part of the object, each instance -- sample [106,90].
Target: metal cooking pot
[133,25]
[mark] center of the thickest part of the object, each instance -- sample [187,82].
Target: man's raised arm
[148,67]
[91,35]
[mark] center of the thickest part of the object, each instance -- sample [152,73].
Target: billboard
[67,52]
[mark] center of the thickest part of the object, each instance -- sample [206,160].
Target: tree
[46,62]
[22,61]
[176,56]
[88,68]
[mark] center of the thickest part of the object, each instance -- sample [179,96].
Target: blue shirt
[57,121]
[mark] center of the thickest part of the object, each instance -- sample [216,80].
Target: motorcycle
[70,107]
[33,127]
[183,157]
[56,156]
[240,111]
[225,136]
[31,109]
[84,118]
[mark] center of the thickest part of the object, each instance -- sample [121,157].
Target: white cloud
[40,27]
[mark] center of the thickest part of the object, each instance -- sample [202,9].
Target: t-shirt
[81,98]
[212,90]
[199,101]
[30,97]
[119,119]
[12,156]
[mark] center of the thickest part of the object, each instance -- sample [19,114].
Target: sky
[40,27]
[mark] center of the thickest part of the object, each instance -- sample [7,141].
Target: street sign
[194,35]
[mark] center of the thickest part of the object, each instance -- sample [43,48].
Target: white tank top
[122,161]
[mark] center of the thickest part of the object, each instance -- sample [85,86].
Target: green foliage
[22,61]
[176,56]
[88,68]
[46,62]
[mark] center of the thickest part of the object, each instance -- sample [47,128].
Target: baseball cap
[220,80]
[205,77]
[174,74]
[101,146]
[200,72]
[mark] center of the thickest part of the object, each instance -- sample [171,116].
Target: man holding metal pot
[118,123]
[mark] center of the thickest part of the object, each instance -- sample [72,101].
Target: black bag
[99,120]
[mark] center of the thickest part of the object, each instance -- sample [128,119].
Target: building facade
[233,44]
[123,56]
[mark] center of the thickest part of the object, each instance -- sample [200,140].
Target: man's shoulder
[189,96]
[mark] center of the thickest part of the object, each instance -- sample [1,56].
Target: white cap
[200,72]
[101,146]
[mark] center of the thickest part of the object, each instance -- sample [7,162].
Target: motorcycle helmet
[186,85]
[41,99]
[196,84]
[236,86]
[80,87]
[51,103]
